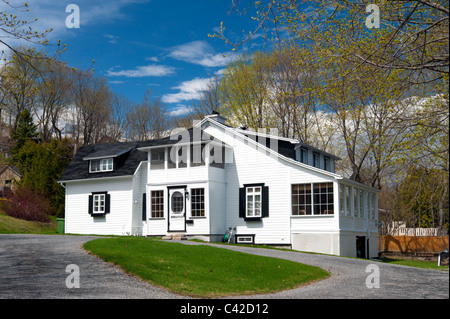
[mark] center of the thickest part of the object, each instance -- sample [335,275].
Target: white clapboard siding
[139,226]
[251,164]
[117,222]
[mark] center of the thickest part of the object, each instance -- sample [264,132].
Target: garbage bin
[60,222]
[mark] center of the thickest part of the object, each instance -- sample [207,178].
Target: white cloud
[180,110]
[188,90]
[111,38]
[144,71]
[52,14]
[200,52]
[152,58]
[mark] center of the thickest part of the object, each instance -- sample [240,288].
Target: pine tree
[25,131]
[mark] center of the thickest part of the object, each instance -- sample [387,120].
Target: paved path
[34,266]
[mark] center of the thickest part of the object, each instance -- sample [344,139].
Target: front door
[177,209]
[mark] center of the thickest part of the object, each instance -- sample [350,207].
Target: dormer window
[326,163]
[303,155]
[316,159]
[101,165]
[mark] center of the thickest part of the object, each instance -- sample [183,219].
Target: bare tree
[52,97]
[149,120]
[92,100]
[121,106]
[19,76]
[210,101]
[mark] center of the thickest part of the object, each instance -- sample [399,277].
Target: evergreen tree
[25,131]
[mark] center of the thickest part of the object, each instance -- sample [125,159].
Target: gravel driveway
[34,266]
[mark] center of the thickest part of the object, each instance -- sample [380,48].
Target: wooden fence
[413,244]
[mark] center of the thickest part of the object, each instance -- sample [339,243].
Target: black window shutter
[242,202]
[265,201]
[107,203]
[91,204]
[144,207]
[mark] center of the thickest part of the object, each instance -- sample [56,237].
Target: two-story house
[203,181]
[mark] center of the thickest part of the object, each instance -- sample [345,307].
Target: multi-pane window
[101,165]
[157,204]
[312,199]
[197,202]
[99,204]
[253,202]
[301,199]
[323,198]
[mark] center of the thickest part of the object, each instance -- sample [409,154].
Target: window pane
[99,203]
[301,203]
[95,166]
[257,205]
[182,156]
[323,198]
[110,164]
[157,159]
[157,200]
[177,201]
[197,202]
[197,155]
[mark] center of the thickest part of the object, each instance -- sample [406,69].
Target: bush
[25,204]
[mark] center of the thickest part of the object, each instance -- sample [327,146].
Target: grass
[10,225]
[415,263]
[202,271]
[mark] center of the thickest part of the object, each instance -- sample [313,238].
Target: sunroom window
[312,199]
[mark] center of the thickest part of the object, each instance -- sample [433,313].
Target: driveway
[348,278]
[34,266]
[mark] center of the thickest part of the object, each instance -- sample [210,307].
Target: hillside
[10,225]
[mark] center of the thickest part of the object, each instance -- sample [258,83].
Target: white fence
[403,231]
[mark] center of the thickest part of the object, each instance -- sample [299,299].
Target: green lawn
[10,225]
[202,271]
[415,263]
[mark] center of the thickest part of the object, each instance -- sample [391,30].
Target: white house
[203,181]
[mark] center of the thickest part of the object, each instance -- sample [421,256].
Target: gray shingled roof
[128,156]
[126,163]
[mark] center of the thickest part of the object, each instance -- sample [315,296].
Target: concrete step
[175,236]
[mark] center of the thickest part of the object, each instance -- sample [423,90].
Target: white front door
[177,209]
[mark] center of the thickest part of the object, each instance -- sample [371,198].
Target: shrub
[25,204]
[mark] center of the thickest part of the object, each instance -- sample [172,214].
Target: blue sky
[138,44]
